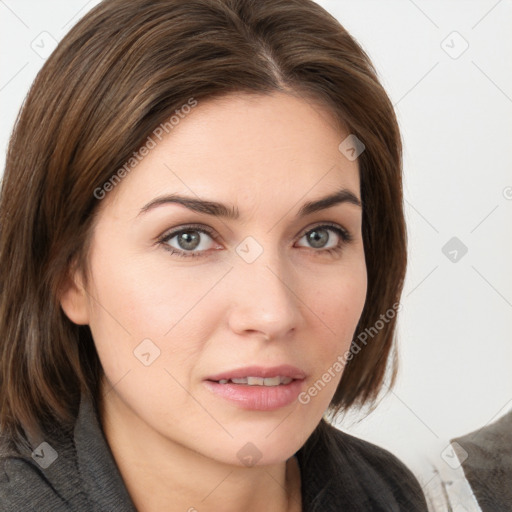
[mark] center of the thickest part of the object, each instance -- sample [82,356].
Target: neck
[161,474]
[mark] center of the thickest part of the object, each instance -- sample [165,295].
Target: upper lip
[284,370]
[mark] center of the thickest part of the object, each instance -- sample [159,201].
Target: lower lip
[257,398]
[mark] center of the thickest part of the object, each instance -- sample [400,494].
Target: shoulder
[365,454]
[38,480]
[358,473]
[486,458]
[21,487]
[383,467]
[490,444]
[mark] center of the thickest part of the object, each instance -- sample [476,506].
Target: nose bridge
[263,299]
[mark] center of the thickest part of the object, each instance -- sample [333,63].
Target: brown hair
[119,73]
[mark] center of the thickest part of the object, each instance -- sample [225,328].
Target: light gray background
[455,111]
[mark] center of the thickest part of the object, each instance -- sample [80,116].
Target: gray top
[83,477]
[486,458]
[79,474]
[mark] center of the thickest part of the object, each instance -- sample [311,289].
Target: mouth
[258,381]
[260,375]
[258,388]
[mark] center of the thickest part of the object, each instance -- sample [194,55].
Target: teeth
[271,381]
[242,380]
[255,381]
[259,381]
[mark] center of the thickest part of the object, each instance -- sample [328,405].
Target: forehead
[256,150]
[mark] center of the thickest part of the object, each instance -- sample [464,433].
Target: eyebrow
[221,210]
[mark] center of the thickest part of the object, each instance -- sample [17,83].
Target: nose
[263,298]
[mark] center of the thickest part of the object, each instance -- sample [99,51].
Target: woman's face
[182,298]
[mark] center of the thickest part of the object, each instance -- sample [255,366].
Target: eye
[328,238]
[188,241]
[192,241]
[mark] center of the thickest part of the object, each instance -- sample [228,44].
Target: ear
[73,298]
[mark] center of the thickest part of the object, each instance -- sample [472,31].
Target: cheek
[134,301]
[338,305]
[340,300]
[144,295]
[341,306]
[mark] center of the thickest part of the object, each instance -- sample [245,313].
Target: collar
[322,482]
[101,479]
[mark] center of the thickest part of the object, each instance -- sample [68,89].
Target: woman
[201,223]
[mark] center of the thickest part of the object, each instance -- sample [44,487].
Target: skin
[175,442]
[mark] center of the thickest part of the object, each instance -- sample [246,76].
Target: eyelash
[345,238]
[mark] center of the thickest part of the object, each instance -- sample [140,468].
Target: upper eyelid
[213,233]
[171,233]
